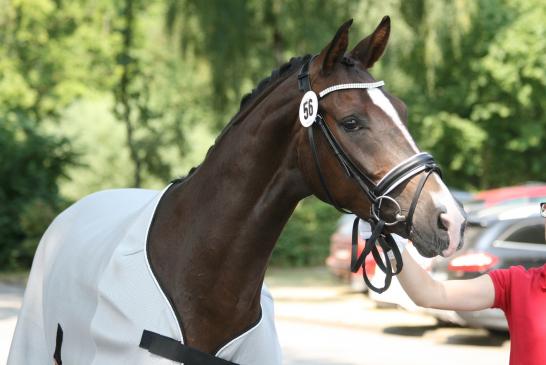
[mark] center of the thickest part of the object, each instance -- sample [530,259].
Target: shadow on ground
[483,338]
[409,331]
[476,340]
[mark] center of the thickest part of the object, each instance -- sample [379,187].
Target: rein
[376,193]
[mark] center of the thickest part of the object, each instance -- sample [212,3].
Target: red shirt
[521,294]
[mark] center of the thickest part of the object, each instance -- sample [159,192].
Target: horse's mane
[276,74]
[285,70]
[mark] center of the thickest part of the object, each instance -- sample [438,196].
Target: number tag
[308,108]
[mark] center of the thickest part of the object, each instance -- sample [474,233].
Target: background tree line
[104,94]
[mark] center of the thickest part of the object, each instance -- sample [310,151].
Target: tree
[30,166]
[461,104]
[45,49]
[242,40]
[152,93]
[509,99]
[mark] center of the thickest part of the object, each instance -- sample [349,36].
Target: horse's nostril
[443,221]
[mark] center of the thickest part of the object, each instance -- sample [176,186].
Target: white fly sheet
[91,276]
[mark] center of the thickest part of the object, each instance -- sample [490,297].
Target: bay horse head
[365,160]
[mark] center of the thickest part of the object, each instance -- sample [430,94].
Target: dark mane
[286,69]
[275,75]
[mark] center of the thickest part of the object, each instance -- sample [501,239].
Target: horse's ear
[370,49]
[334,51]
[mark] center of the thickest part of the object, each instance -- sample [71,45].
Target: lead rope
[386,242]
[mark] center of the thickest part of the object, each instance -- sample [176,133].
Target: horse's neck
[213,235]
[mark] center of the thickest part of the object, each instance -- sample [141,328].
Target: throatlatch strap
[311,134]
[171,349]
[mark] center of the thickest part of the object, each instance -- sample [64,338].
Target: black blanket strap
[171,349]
[58,345]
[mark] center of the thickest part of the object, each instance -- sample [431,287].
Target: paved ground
[322,323]
[328,326]
[10,301]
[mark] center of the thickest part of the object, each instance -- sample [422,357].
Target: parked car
[340,248]
[517,195]
[340,242]
[495,238]
[339,260]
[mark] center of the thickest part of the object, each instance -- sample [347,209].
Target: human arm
[459,295]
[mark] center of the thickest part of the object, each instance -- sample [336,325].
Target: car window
[528,234]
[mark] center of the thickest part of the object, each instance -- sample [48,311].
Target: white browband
[360,85]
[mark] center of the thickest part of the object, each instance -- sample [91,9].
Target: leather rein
[421,163]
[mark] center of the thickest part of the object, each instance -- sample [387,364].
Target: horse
[146,277]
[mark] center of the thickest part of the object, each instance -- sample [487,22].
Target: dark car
[495,238]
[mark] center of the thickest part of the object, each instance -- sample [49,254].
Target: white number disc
[308,108]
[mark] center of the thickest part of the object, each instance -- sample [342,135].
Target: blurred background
[104,94]
[130,93]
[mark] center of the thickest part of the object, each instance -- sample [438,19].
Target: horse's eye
[350,124]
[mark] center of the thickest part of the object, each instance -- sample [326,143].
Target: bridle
[420,163]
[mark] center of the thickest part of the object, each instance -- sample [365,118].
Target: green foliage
[50,52]
[476,99]
[147,97]
[509,99]
[30,165]
[305,240]
[457,142]
[472,73]
[47,52]
[242,40]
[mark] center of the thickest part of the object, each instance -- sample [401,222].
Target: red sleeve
[502,283]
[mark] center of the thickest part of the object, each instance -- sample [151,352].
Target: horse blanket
[91,276]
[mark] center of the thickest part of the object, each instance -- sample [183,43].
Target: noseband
[376,193]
